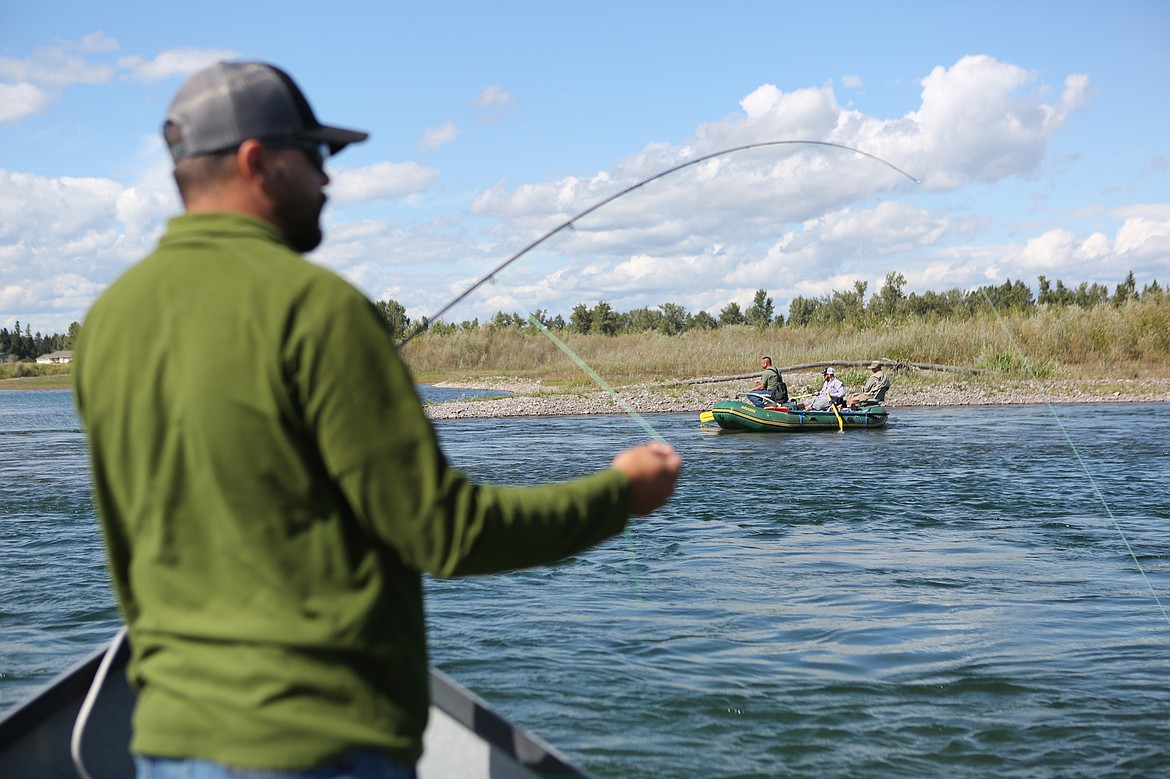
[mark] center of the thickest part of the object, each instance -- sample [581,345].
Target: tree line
[29,345]
[891,305]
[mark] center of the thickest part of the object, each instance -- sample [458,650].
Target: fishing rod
[426,323]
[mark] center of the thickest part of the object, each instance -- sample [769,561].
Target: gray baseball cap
[222,106]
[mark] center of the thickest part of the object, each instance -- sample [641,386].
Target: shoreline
[531,399]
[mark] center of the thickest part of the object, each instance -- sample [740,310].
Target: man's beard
[299,218]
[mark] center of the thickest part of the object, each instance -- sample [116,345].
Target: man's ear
[251,160]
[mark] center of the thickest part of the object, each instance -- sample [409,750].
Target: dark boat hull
[465,739]
[741,415]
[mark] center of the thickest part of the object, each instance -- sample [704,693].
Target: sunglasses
[317,151]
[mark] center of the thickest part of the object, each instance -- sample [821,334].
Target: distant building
[5,357]
[55,358]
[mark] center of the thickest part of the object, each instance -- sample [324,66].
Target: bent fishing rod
[426,323]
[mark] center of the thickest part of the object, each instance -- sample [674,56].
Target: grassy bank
[1128,342]
[24,375]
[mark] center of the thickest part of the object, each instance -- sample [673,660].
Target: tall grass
[1105,341]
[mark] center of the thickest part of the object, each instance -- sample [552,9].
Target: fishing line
[426,323]
[630,411]
[584,366]
[1080,460]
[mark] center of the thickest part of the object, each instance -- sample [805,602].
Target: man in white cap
[832,393]
[269,488]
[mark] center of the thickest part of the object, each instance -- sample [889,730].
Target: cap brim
[337,137]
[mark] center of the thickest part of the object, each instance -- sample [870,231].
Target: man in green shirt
[771,387]
[268,485]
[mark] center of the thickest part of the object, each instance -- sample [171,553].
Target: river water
[967,592]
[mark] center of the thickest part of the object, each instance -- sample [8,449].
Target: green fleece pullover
[270,489]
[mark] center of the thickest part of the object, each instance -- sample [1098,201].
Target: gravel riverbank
[532,399]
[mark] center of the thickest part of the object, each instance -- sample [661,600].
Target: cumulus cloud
[32,205]
[385,180]
[20,100]
[62,239]
[978,122]
[1144,240]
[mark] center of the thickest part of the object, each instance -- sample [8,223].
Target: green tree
[1090,295]
[887,303]
[1062,295]
[803,311]
[1126,291]
[71,336]
[394,315]
[603,319]
[641,320]
[760,312]
[675,319]
[581,320]
[541,316]
[703,321]
[503,321]
[731,315]
[1044,291]
[842,307]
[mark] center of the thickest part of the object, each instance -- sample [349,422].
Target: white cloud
[1139,244]
[173,63]
[142,210]
[975,124]
[438,136]
[34,206]
[803,114]
[978,123]
[851,81]
[20,100]
[1144,240]
[385,180]
[61,65]
[62,239]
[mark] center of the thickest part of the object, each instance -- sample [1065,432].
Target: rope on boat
[95,688]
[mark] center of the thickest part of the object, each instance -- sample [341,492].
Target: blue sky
[1039,131]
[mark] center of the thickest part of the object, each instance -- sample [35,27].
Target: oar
[707,416]
[836,413]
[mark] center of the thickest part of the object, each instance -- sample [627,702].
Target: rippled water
[950,595]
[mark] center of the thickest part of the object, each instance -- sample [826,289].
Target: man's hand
[652,469]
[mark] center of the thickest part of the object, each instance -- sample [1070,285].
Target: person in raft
[771,387]
[832,393]
[875,389]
